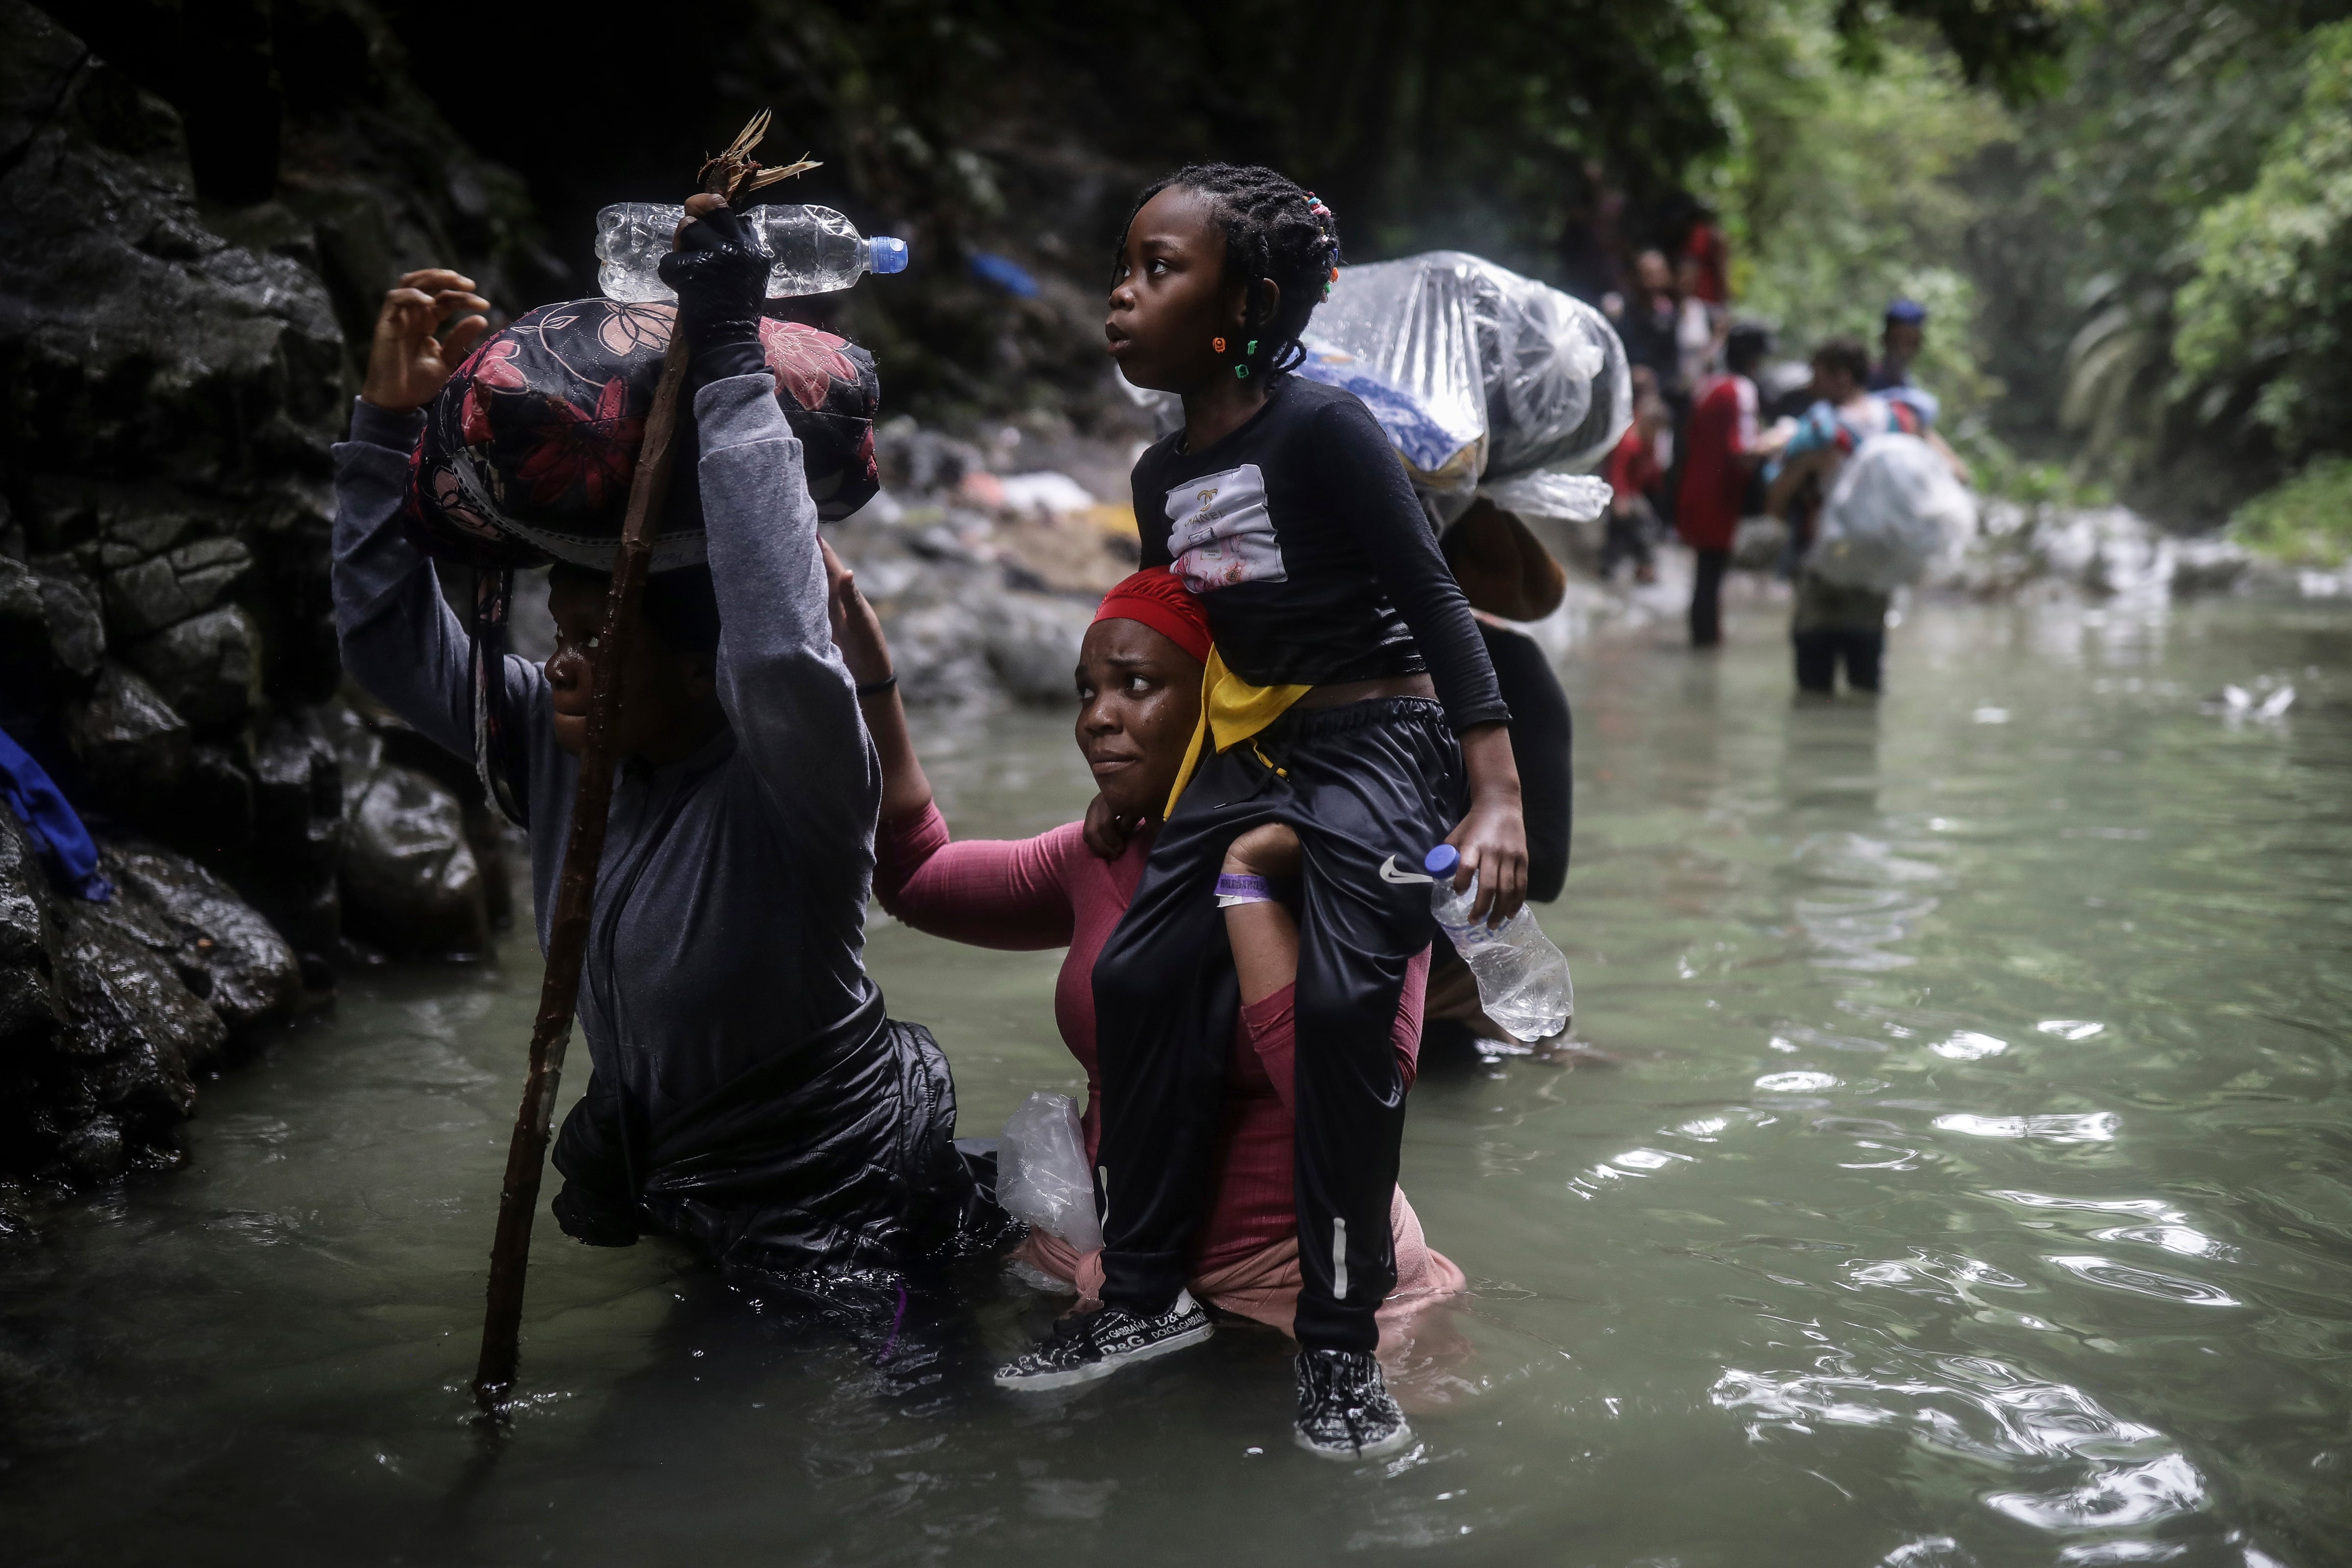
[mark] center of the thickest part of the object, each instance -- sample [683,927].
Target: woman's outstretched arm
[858,633]
[1010,895]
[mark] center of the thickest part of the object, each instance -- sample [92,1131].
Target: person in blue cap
[1898,345]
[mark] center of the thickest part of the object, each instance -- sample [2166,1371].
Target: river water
[1960,1177]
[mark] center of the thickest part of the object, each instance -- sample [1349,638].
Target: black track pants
[1368,788]
[1819,650]
[1706,596]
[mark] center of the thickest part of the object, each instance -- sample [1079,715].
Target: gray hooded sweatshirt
[746,1093]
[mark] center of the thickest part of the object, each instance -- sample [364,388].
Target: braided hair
[1274,230]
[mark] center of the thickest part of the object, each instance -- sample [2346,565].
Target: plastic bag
[1895,507]
[1479,376]
[1571,497]
[1041,1170]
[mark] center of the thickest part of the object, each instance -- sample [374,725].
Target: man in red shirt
[1721,450]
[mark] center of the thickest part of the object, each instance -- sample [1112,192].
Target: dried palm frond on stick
[575,891]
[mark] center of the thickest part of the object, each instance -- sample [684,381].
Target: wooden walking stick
[576,892]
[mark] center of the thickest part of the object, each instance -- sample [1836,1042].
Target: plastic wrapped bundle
[1481,377]
[528,452]
[1895,507]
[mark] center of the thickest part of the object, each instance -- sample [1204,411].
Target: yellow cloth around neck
[1232,711]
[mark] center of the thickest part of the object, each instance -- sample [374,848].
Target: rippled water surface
[1968,1184]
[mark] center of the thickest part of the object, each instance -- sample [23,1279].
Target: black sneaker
[1345,1409]
[1082,1348]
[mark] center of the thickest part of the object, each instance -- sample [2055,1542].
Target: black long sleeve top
[1314,561]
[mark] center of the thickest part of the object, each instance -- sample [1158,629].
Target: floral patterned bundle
[528,452]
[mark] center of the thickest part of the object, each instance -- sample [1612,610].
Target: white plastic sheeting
[1041,1170]
[1895,509]
[1480,376]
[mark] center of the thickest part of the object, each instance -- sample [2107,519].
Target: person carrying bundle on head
[748,1095]
[1347,697]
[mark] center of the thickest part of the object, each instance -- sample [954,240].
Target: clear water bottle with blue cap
[1522,978]
[817,249]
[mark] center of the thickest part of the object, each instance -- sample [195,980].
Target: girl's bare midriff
[1339,693]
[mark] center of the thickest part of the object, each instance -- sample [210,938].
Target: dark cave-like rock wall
[177,360]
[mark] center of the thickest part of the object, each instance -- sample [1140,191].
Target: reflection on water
[1965,1183]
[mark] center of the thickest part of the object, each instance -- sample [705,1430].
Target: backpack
[1891,511]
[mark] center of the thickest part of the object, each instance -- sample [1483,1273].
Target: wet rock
[1031,643]
[486,829]
[2208,566]
[218,946]
[131,744]
[914,458]
[76,628]
[410,881]
[297,823]
[24,619]
[298,803]
[208,667]
[94,1153]
[30,1011]
[128,1016]
[110,1011]
[149,595]
[216,804]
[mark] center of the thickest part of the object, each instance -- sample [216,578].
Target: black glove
[721,277]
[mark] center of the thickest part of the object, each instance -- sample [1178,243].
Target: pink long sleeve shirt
[1020,895]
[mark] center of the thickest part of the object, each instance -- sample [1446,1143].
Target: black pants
[1627,538]
[1819,650]
[1706,597]
[1368,788]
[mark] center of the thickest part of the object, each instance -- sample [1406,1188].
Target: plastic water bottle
[1522,978]
[817,251]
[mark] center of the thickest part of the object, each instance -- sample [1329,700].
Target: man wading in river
[748,1095]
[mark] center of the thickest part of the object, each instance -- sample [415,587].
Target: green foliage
[2307,520]
[2270,308]
[2088,230]
[1422,124]
[1843,193]
[2016,47]
[1517,128]
[1996,469]
[1841,186]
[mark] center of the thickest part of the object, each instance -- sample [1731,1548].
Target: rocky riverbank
[174,372]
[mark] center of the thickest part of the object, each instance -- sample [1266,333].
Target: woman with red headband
[1139,682]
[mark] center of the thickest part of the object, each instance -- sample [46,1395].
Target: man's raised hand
[407,363]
